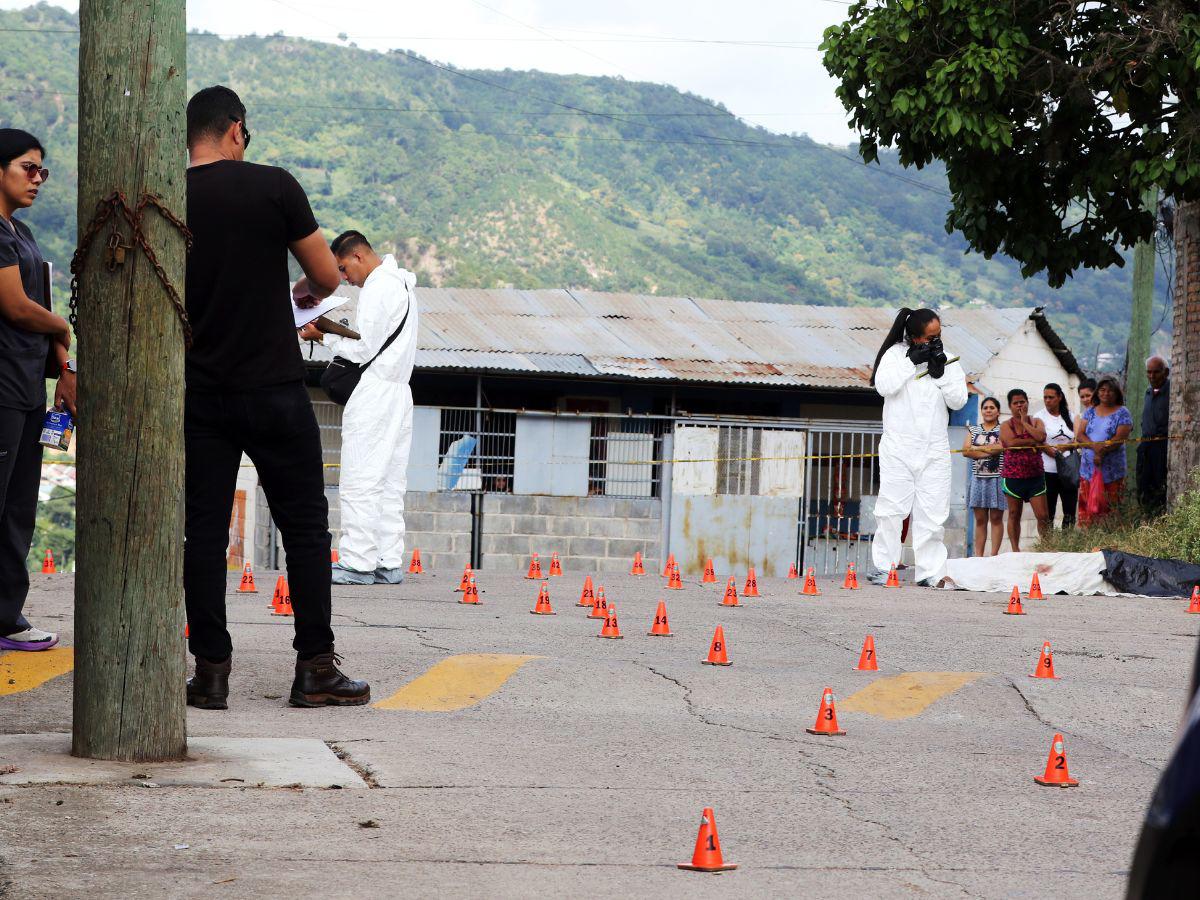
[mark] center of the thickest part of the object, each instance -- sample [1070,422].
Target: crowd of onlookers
[1050,457]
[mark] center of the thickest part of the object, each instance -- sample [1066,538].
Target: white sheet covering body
[1070,573]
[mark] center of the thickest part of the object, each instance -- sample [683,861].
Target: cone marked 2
[600,607]
[718,654]
[555,565]
[866,660]
[1035,589]
[1056,774]
[851,582]
[609,629]
[543,607]
[1194,606]
[661,627]
[707,855]
[284,607]
[669,566]
[471,594]
[1045,664]
[414,567]
[676,583]
[793,572]
[247,585]
[588,597]
[535,568]
[1014,604]
[810,582]
[731,597]
[48,563]
[827,723]
[751,588]
[893,578]
[466,579]
[638,568]
[277,597]
[710,573]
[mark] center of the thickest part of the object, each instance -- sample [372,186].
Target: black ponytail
[909,323]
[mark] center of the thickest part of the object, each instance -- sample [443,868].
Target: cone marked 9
[1045,663]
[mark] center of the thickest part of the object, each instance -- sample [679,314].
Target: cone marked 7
[1056,774]
[866,660]
[707,855]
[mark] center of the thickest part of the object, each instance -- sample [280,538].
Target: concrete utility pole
[1138,348]
[129,662]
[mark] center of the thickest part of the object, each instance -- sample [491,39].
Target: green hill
[485,179]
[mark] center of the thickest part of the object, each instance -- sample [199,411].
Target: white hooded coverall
[377,422]
[914,460]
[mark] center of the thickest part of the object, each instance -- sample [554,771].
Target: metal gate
[837,521]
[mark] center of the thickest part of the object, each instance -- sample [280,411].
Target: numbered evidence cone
[661,627]
[609,629]
[247,585]
[827,723]
[277,597]
[676,583]
[710,573]
[555,565]
[1014,604]
[333,555]
[707,855]
[414,567]
[1056,767]
[588,597]
[669,566]
[638,567]
[851,582]
[793,573]
[600,607]
[893,579]
[1045,663]
[471,594]
[48,563]
[731,597]
[751,588]
[1035,589]
[535,568]
[466,580]
[1194,606]
[284,607]
[543,607]
[717,654]
[866,660]
[810,582]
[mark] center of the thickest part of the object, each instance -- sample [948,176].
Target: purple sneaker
[29,639]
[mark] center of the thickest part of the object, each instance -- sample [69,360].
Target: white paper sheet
[1070,573]
[304,316]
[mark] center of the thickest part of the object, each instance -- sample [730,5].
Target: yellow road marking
[21,670]
[456,682]
[902,696]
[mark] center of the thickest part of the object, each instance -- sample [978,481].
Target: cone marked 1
[710,573]
[414,567]
[555,565]
[284,607]
[731,597]
[638,567]
[851,582]
[707,855]
[676,583]
[1035,589]
[471,594]
[247,585]
[542,607]
[661,627]
[600,607]
[669,566]
[827,723]
[1056,774]
[588,597]
[866,660]
[609,629]
[1045,664]
[718,654]
[1014,604]
[751,588]
[793,572]
[535,568]
[810,582]
[1194,606]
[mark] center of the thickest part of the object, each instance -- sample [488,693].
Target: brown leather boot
[209,687]
[319,682]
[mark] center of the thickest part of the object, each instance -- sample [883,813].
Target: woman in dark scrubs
[30,337]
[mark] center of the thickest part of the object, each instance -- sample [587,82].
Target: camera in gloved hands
[920,353]
[937,358]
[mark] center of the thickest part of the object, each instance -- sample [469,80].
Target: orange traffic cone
[414,567]
[851,582]
[893,579]
[1014,604]
[661,627]
[676,583]
[1194,606]
[543,607]
[710,573]
[588,597]
[187,632]
[333,555]
[471,594]
[609,629]
[1045,664]
[751,588]
[669,566]
[827,723]
[1057,774]
[793,572]
[285,602]
[466,579]
[731,597]
[535,568]
[718,654]
[866,660]
[281,589]
[247,585]
[48,563]
[707,855]
[600,607]
[638,568]
[555,565]
[810,582]
[1035,589]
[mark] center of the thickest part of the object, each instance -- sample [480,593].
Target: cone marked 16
[707,855]
[1056,774]
[827,723]
[277,598]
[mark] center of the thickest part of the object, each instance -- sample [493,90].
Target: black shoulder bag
[341,376]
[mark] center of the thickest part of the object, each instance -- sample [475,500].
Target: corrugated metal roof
[643,336]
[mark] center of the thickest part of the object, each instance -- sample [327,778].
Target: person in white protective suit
[377,421]
[919,386]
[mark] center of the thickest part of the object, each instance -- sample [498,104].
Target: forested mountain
[487,179]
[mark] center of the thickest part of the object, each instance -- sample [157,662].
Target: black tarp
[1150,577]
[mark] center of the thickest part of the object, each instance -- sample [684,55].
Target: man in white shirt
[377,422]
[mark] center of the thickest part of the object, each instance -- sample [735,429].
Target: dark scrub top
[22,353]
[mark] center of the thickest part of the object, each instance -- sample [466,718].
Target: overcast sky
[758,57]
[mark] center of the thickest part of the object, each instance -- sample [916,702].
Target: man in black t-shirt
[245,394]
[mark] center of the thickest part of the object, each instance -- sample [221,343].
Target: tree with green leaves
[1053,119]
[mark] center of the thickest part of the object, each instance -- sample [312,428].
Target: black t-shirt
[23,353]
[242,217]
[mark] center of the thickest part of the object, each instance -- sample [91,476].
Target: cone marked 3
[707,855]
[718,654]
[600,607]
[414,567]
[866,660]
[731,597]
[542,607]
[827,723]
[247,585]
[609,629]
[1014,603]
[1045,663]
[1035,589]
[661,627]
[751,588]
[588,597]
[1056,774]
[810,582]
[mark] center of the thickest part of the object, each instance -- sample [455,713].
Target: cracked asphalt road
[585,773]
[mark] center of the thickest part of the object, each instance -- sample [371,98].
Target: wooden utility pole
[1183,453]
[1138,347]
[129,646]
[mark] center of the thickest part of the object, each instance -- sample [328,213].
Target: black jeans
[1056,487]
[276,427]
[1152,476]
[20,477]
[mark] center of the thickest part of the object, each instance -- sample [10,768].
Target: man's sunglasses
[33,170]
[245,130]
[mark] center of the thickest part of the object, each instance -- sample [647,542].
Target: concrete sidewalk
[583,769]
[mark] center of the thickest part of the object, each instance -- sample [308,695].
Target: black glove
[937,358]
[919,353]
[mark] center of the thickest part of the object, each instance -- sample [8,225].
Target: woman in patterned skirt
[984,496]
